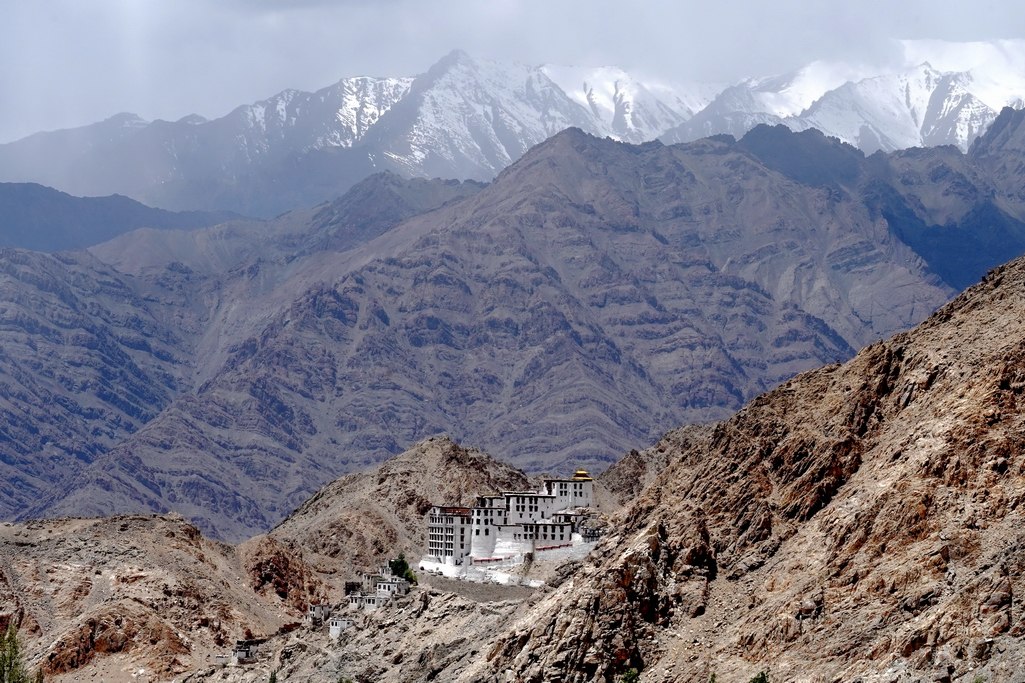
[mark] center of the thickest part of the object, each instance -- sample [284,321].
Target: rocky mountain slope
[137,598]
[862,521]
[470,118]
[91,354]
[593,293]
[88,357]
[42,219]
[148,598]
[959,212]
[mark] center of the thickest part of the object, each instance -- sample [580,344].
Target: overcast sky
[71,62]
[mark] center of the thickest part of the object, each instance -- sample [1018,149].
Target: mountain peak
[454,58]
[1005,133]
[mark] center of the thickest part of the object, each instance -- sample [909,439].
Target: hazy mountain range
[569,311]
[470,118]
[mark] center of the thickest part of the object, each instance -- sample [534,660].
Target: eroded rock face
[108,597]
[595,634]
[114,632]
[277,569]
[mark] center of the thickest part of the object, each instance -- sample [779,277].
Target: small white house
[336,625]
[245,651]
[393,585]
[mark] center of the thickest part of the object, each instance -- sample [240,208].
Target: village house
[337,625]
[377,589]
[317,614]
[507,525]
[246,651]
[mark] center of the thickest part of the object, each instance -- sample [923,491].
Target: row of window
[544,537]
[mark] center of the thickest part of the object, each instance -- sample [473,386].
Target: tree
[12,668]
[399,567]
[273,677]
[762,677]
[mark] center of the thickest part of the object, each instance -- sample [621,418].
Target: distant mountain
[87,357]
[463,118]
[592,294]
[42,219]
[559,316]
[914,106]
[470,118]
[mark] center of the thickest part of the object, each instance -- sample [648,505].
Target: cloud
[68,62]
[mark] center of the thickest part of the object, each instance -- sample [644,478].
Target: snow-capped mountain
[464,117]
[470,118]
[627,108]
[337,116]
[940,94]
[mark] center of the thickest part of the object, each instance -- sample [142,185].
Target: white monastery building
[508,525]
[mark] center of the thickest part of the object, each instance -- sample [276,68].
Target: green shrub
[762,677]
[399,567]
[631,676]
[12,667]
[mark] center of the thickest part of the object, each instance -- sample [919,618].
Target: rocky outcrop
[277,569]
[360,520]
[632,473]
[112,597]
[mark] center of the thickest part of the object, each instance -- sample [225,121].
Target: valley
[509,370]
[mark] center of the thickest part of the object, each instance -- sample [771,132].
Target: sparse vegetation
[12,668]
[631,676]
[400,567]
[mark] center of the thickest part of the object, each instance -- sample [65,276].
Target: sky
[73,62]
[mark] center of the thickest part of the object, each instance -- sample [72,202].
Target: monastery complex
[503,528]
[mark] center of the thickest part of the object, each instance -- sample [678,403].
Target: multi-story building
[448,533]
[507,525]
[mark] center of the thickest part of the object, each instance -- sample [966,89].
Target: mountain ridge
[580,267]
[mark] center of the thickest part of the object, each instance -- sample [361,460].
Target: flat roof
[452,510]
